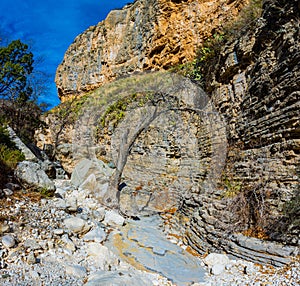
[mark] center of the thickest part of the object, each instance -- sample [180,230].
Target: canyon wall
[145,35]
[255,86]
[222,167]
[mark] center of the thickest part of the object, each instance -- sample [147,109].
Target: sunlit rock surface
[145,35]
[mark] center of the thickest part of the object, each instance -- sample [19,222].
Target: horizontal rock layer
[256,89]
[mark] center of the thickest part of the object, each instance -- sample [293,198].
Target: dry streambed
[72,240]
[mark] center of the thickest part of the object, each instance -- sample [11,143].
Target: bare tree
[127,140]
[164,93]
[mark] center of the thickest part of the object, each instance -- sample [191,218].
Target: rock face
[33,176]
[174,125]
[145,35]
[256,87]
[222,168]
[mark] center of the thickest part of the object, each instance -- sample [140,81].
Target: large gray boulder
[92,176]
[31,175]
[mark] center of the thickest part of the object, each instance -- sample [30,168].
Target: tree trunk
[127,140]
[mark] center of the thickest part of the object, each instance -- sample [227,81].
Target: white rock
[113,218]
[71,203]
[31,258]
[58,231]
[76,271]
[216,258]
[94,249]
[8,192]
[60,192]
[50,244]
[217,269]
[89,184]
[98,235]
[68,243]
[32,244]
[99,214]
[101,255]
[60,204]
[76,225]
[32,175]
[8,241]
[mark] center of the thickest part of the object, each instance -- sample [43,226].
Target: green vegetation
[209,52]
[18,99]
[45,193]
[16,64]
[246,19]
[18,90]
[116,111]
[231,188]
[9,155]
[70,110]
[190,70]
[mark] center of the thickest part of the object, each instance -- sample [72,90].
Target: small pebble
[8,241]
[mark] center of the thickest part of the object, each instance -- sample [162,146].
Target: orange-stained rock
[145,35]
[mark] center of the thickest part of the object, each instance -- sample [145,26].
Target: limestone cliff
[256,87]
[145,35]
[222,168]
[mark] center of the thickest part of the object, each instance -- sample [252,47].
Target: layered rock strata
[145,35]
[178,164]
[256,87]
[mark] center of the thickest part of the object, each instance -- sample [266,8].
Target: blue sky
[50,26]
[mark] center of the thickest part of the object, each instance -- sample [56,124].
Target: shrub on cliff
[208,53]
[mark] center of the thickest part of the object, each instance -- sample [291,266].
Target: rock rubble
[44,243]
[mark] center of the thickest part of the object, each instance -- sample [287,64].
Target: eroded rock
[33,176]
[76,225]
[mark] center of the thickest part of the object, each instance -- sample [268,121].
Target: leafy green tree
[16,64]
[20,87]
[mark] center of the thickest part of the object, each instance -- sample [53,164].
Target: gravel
[38,248]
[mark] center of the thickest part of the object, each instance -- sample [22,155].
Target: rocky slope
[71,240]
[145,35]
[222,169]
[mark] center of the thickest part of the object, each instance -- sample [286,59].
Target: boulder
[216,259]
[113,218]
[101,256]
[217,269]
[33,176]
[86,167]
[76,225]
[98,235]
